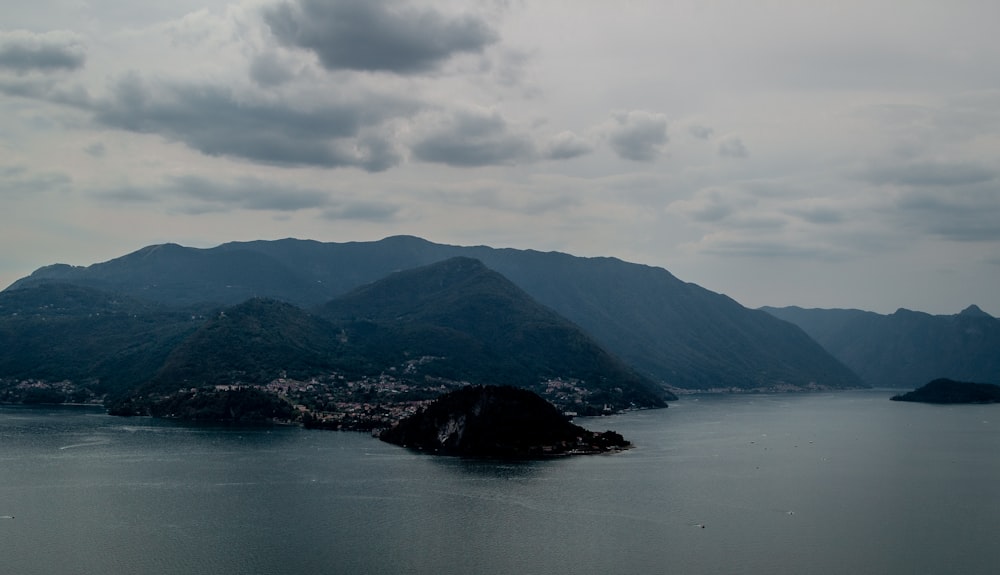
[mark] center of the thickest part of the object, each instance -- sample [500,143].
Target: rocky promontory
[949,391]
[497,421]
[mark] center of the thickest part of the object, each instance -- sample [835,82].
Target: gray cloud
[248,194]
[97,150]
[129,195]
[386,36]
[732,147]
[567,145]
[214,121]
[713,205]
[509,69]
[712,212]
[967,215]
[23,52]
[367,211]
[507,199]
[638,135]
[472,139]
[267,70]
[18,181]
[700,132]
[818,215]
[45,89]
[746,247]
[921,174]
[197,195]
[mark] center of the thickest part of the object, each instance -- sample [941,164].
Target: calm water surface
[816,483]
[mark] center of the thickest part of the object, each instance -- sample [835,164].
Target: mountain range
[677,334]
[906,348]
[394,342]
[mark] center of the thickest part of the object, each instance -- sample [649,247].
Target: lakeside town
[334,401]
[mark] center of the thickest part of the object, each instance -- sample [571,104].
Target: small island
[498,422]
[949,391]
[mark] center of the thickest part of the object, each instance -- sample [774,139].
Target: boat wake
[87,444]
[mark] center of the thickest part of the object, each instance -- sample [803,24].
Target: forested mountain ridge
[460,309]
[374,352]
[678,334]
[904,347]
[104,342]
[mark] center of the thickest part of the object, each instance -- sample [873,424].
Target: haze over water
[804,483]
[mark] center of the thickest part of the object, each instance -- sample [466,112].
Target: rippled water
[817,483]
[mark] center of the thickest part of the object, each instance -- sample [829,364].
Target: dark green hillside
[254,342]
[50,300]
[906,346]
[102,343]
[479,327]
[405,338]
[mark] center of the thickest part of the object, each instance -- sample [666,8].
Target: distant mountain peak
[897,349]
[974,311]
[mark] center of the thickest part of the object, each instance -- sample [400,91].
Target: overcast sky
[820,154]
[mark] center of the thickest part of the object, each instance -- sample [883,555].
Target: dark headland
[949,391]
[498,421]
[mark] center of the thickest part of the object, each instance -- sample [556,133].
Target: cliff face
[497,421]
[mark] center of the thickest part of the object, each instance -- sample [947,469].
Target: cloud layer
[23,52]
[389,36]
[638,135]
[765,151]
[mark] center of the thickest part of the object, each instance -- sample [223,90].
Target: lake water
[812,483]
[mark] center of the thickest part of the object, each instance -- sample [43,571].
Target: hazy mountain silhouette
[899,349]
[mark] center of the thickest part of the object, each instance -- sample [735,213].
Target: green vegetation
[236,405]
[102,343]
[254,342]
